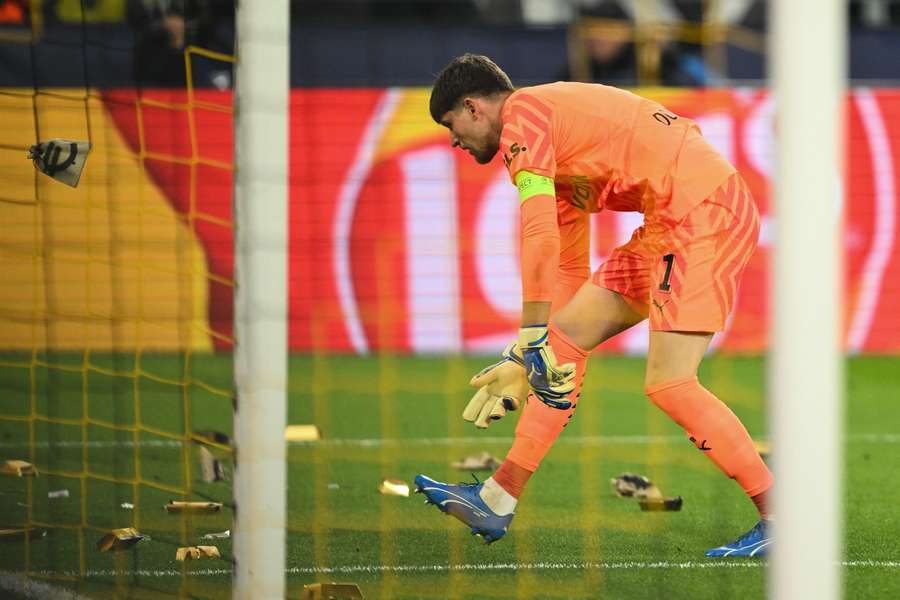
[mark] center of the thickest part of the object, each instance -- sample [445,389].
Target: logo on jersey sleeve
[514,151]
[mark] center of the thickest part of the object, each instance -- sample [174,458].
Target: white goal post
[261,97]
[807,64]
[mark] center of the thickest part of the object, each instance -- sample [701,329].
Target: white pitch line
[486,567]
[581,440]
[95,444]
[39,590]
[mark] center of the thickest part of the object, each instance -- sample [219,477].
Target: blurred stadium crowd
[690,43]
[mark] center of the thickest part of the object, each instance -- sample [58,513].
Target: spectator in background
[613,58]
[159,28]
[162,30]
[874,14]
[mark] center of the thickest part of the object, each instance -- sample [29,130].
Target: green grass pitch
[392,416]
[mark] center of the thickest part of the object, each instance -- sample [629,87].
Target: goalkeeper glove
[549,381]
[502,387]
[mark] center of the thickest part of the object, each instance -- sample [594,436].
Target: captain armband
[532,184]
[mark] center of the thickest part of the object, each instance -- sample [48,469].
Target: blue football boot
[755,543]
[464,502]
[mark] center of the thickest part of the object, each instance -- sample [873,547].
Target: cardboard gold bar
[177,506]
[394,487]
[19,468]
[195,552]
[15,534]
[119,539]
[331,591]
[302,433]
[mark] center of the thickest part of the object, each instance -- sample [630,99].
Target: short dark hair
[466,75]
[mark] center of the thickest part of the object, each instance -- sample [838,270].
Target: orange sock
[512,478]
[761,501]
[715,430]
[540,425]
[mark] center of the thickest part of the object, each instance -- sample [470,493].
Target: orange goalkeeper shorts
[686,275]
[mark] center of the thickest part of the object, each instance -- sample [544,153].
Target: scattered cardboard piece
[302,433]
[661,504]
[19,468]
[483,461]
[212,437]
[120,539]
[180,507]
[195,552]
[211,467]
[640,488]
[394,487]
[632,485]
[63,160]
[17,534]
[331,591]
[220,535]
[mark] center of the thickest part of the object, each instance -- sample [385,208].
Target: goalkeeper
[572,149]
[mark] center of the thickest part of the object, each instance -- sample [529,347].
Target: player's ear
[470,107]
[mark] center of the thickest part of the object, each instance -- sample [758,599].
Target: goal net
[115,314]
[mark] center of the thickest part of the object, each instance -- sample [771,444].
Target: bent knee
[659,373]
[653,379]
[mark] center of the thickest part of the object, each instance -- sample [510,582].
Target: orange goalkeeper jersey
[608,148]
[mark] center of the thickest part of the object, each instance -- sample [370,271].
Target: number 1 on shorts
[670,260]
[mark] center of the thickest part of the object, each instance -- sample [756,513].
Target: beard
[486,154]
